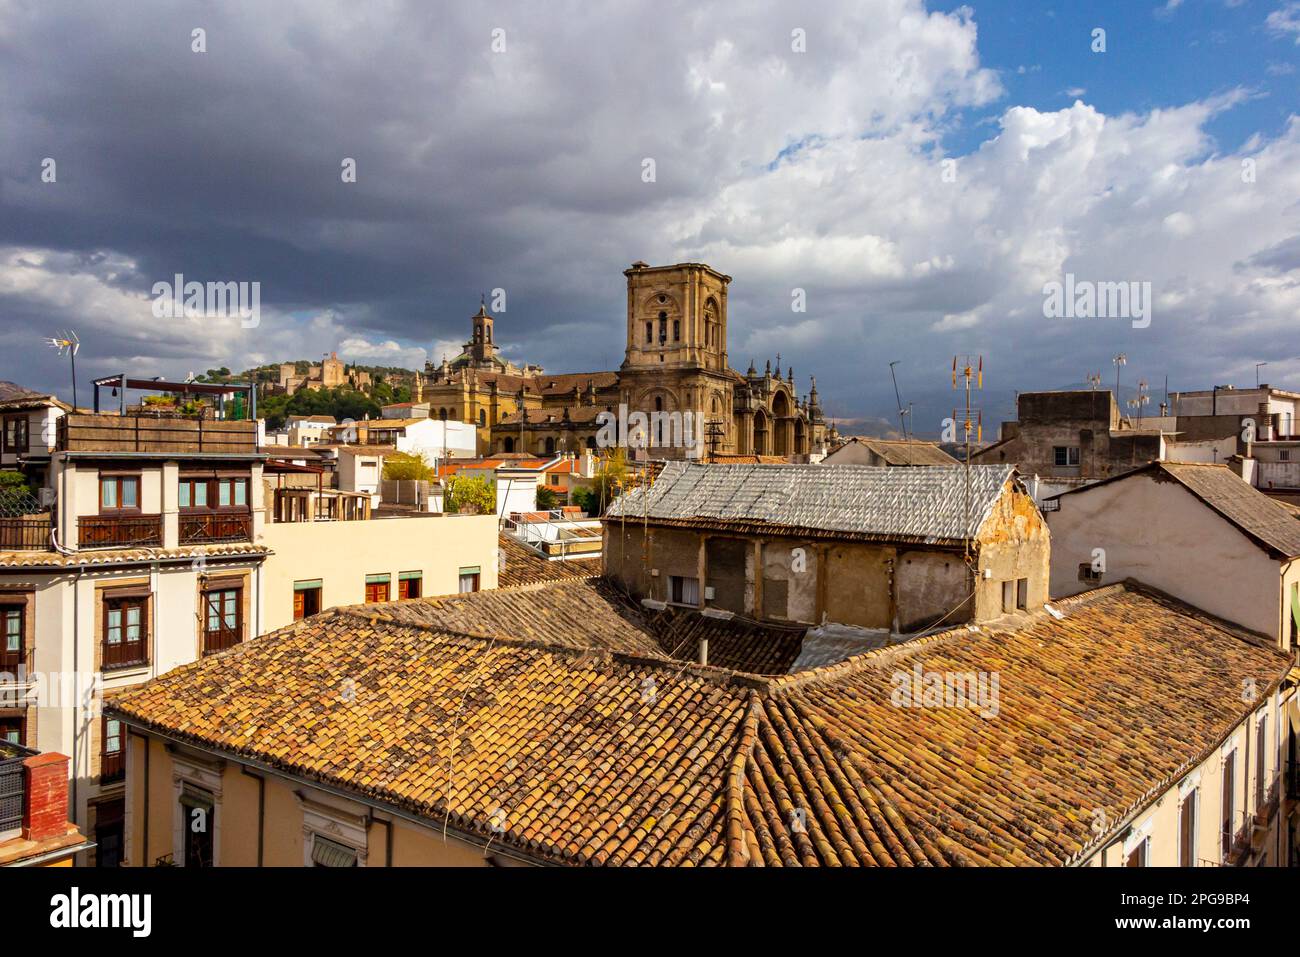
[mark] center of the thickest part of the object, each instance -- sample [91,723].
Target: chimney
[45,805]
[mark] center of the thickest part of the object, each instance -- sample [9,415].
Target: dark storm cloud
[522,170]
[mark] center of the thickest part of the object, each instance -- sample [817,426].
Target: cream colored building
[1196,531]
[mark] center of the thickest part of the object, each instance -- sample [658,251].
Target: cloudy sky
[920,171]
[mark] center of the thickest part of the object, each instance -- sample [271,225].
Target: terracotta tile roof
[126,556]
[900,452]
[522,566]
[572,613]
[579,754]
[863,500]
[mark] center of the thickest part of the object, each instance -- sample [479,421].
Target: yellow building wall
[342,554]
[282,820]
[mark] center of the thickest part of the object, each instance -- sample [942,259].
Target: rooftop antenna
[898,398]
[69,343]
[970,369]
[1120,361]
[1094,380]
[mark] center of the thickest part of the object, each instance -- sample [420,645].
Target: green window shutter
[307,586]
[378,579]
[409,576]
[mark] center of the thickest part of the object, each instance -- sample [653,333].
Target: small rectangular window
[377,588]
[111,765]
[1087,573]
[1008,597]
[126,628]
[1022,593]
[685,591]
[306,599]
[119,493]
[408,584]
[12,639]
[1065,456]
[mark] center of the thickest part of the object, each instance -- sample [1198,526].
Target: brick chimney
[45,786]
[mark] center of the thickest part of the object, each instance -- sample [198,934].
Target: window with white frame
[334,832]
[1137,845]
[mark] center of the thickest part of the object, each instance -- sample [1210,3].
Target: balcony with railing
[126,531]
[201,528]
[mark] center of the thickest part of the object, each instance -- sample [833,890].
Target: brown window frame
[222,633]
[404,587]
[122,603]
[11,661]
[11,721]
[112,764]
[117,479]
[25,430]
[300,602]
[477,579]
[373,593]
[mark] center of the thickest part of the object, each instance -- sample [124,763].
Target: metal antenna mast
[971,369]
[68,342]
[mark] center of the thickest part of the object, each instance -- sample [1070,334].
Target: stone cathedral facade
[675,361]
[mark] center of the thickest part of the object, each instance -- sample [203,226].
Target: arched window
[550,446]
[659,421]
[663,326]
[508,445]
[649,333]
[442,415]
[482,416]
[677,330]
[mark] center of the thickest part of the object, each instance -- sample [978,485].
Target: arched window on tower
[649,333]
[677,330]
[659,421]
[663,327]
[550,446]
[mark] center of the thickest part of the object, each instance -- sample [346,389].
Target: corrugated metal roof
[927,503]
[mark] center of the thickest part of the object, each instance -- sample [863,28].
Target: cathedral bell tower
[676,317]
[481,346]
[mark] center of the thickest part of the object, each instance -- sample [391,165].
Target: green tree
[547,499]
[609,482]
[406,467]
[473,496]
